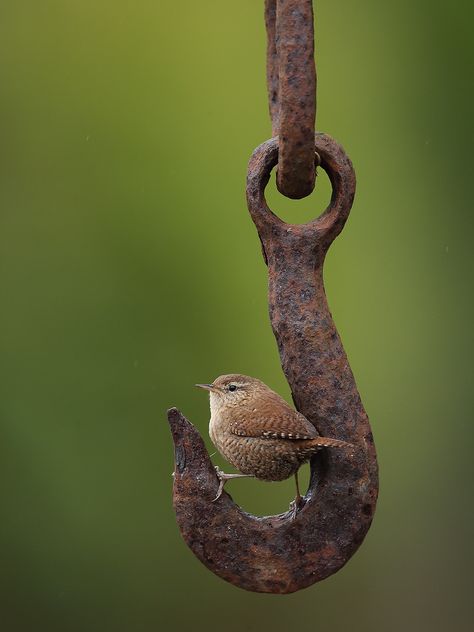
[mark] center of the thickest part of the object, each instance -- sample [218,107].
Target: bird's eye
[232,387]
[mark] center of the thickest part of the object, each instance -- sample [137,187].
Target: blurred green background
[130,270]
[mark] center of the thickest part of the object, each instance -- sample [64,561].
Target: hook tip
[177,422]
[172,413]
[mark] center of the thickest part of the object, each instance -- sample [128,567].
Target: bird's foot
[295,506]
[222,481]
[223,478]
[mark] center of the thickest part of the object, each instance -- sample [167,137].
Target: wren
[259,433]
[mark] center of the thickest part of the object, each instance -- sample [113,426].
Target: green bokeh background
[130,270]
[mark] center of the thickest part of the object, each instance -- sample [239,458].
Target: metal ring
[333,160]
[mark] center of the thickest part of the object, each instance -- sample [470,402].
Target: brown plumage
[258,432]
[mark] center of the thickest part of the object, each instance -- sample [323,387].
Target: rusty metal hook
[275,553]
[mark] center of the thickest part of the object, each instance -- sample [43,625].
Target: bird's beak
[207,387]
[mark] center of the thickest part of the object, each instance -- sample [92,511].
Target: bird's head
[233,390]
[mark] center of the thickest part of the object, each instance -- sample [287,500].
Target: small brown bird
[259,433]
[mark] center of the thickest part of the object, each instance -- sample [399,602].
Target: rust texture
[291,80]
[277,554]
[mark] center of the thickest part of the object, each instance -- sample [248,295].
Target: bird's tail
[328,442]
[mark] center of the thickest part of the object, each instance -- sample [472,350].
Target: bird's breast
[215,428]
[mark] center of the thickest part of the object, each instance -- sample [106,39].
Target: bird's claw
[222,479]
[295,506]
[219,492]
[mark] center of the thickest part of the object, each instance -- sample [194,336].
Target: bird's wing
[272,420]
